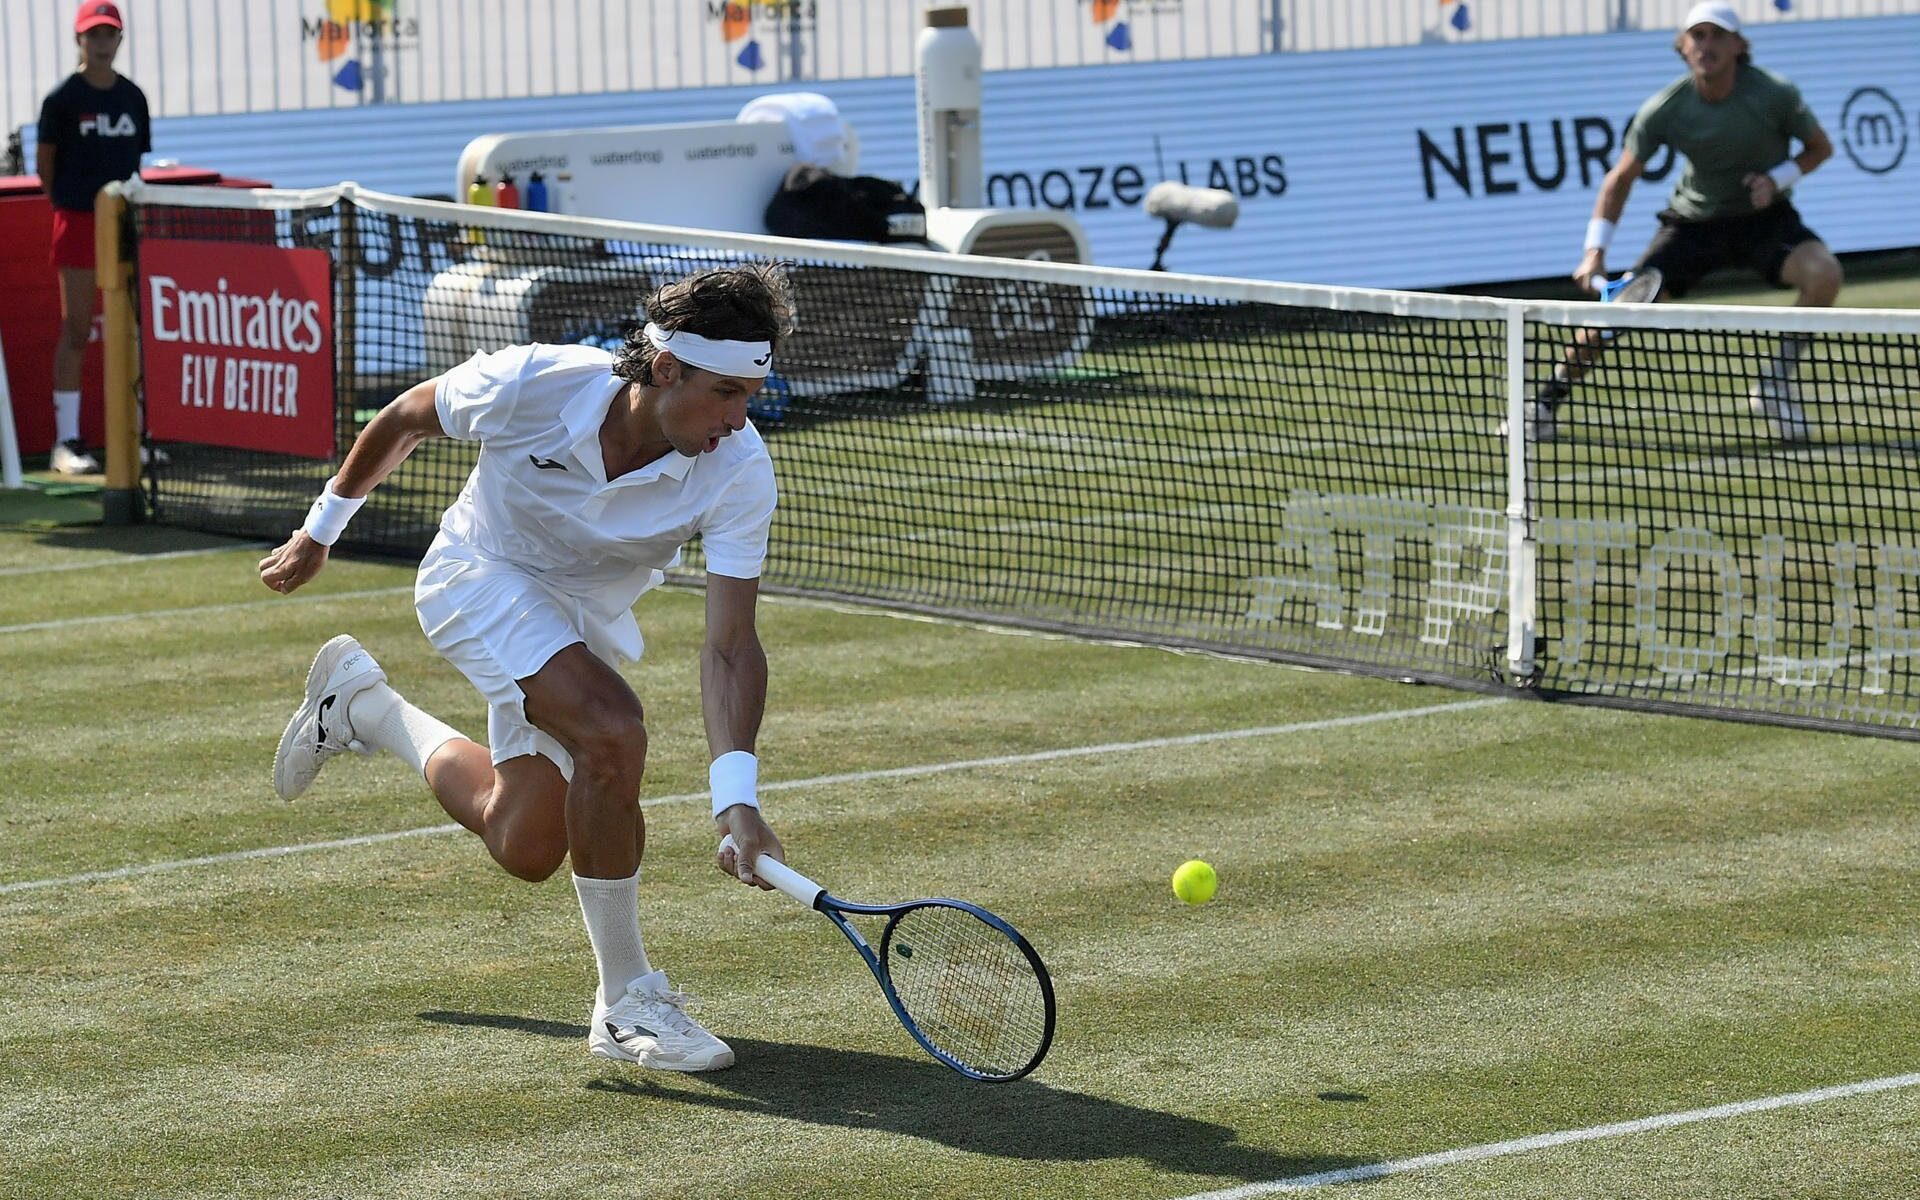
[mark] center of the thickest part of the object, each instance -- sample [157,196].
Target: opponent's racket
[966,985]
[1641,287]
[1632,288]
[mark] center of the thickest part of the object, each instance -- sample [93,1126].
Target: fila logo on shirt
[108,125]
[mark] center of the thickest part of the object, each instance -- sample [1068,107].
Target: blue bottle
[535,198]
[770,404]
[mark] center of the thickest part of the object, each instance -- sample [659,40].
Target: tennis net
[1338,477]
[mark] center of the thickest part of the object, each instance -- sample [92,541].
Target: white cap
[820,135]
[1712,13]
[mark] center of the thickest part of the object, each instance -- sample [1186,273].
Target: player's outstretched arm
[733,695]
[1607,207]
[383,445]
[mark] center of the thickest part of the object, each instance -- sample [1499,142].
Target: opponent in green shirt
[1735,124]
[1722,139]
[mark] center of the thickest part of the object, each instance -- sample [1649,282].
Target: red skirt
[72,239]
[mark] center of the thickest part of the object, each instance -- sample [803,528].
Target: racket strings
[969,988]
[1641,289]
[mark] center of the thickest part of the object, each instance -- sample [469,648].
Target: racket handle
[782,877]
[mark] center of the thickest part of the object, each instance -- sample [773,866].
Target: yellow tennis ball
[1194,882]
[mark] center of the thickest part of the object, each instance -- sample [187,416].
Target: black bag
[815,203]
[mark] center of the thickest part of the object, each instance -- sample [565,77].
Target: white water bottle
[947,88]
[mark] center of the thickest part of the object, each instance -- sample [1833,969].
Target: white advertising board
[714,175]
[1433,165]
[1421,166]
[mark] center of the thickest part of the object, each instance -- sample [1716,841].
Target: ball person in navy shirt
[93,129]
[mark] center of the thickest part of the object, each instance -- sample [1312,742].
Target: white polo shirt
[539,497]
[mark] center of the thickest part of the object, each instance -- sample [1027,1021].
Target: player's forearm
[394,433]
[1612,200]
[1815,148]
[1812,157]
[43,165]
[733,694]
[1607,207]
[375,455]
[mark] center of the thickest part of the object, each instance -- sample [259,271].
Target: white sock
[611,908]
[382,717]
[1786,358]
[66,416]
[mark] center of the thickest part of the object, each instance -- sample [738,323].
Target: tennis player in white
[594,469]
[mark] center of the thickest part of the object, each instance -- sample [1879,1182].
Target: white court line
[1844,453]
[967,764]
[1546,1141]
[153,614]
[207,860]
[131,560]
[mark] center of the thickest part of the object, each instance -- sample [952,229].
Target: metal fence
[196,57]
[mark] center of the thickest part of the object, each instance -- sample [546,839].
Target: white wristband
[1786,175]
[734,776]
[1599,233]
[328,517]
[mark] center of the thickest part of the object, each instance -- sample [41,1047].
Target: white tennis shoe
[1542,423]
[72,457]
[1777,400]
[320,728]
[650,1026]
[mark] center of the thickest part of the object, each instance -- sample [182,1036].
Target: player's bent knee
[1818,259]
[612,746]
[1814,268]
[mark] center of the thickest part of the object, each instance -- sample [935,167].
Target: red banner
[236,345]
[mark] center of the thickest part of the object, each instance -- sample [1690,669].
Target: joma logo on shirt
[108,125]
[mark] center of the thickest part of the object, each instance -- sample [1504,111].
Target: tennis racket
[1632,288]
[966,985]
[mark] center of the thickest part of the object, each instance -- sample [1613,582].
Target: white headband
[747,360]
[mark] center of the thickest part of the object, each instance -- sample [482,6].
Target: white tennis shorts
[499,624]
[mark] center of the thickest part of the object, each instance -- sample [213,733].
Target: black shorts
[1687,251]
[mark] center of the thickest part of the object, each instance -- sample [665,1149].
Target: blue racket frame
[811,894]
[832,907]
[1615,291]
[1612,291]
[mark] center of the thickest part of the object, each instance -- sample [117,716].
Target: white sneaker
[650,1026]
[154,456]
[320,728]
[1542,424]
[71,458]
[1778,401]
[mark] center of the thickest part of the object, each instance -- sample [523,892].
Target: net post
[10,479]
[346,340]
[1521,557]
[121,503]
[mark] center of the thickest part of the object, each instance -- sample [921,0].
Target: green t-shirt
[1723,140]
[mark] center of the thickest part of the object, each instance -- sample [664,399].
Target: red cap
[97,12]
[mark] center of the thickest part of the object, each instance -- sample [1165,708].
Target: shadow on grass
[131,540]
[42,505]
[853,1089]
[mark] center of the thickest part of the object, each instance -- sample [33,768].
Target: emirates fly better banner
[236,344]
